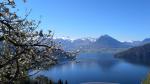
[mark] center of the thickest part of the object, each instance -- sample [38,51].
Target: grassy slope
[147,80]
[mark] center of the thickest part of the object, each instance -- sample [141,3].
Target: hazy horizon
[94,38]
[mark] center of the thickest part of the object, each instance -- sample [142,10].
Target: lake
[97,67]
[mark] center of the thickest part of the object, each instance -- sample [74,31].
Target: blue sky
[125,20]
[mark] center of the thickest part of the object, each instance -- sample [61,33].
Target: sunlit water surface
[96,67]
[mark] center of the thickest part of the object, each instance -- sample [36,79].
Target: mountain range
[102,44]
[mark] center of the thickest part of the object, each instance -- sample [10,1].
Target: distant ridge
[107,41]
[104,43]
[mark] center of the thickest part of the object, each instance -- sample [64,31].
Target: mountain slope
[109,42]
[147,40]
[139,54]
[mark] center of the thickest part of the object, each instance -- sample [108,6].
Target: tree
[21,48]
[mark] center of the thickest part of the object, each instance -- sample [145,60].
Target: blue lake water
[96,67]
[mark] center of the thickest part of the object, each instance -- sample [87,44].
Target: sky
[125,20]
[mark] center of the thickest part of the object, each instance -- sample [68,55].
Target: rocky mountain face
[68,44]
